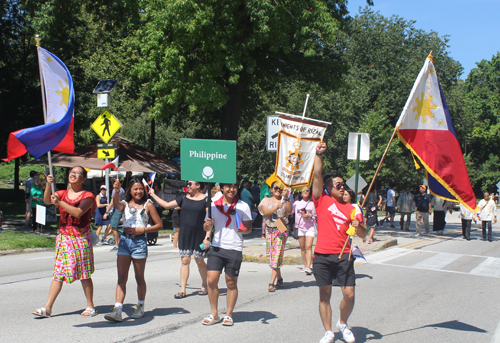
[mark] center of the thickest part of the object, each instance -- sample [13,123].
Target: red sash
[219,203]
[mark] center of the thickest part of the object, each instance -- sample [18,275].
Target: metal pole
[107,180]
[357,168]
[305,107]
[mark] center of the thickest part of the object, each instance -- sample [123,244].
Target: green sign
[205,160]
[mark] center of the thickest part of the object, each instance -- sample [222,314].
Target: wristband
[319,153]
[207,238]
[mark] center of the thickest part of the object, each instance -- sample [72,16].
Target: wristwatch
[207,238]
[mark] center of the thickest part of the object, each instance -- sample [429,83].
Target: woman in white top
[304,212]
[136,210]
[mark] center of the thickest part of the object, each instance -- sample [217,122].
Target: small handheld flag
[113,164]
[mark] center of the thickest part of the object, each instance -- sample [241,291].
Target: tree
[209,55]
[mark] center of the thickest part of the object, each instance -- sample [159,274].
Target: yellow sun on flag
[48,59]
[424,108]
[64,93]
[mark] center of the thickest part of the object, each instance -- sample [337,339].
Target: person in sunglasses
[193,240]
[231,219]
[274,208]
[334,219]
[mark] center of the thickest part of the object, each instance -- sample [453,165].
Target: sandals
[180,295]
[210,320]
[271,288]
[279,283]
[202,291]
[41,312]
[227,321]
[89,312]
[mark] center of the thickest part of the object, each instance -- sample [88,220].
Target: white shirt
[465,213]
[228,237]
[488,210]
[390,197]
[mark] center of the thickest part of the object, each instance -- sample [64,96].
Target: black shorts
[328,269]
[391,210]
[230,260]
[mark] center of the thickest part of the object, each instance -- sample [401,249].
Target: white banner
[297,141]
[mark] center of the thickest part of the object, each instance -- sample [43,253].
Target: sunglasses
[189,184]
[338,186]
[277,189]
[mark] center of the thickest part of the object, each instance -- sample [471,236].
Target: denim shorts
[136,247]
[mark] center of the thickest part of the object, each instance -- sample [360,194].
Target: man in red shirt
[334,219]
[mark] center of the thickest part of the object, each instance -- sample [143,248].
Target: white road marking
[438,261]
[489,267]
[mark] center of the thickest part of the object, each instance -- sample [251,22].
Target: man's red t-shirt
[334,219]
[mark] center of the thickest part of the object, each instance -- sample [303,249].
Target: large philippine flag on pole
[426,129]
[57,132]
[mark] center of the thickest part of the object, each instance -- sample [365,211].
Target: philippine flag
[113,164]
[239,222]
[57,132]
[426,129]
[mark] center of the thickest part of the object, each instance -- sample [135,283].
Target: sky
[473,27]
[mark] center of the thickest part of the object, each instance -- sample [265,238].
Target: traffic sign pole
[357,169]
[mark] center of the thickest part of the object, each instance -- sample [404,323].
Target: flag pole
[44,107]
[379,165]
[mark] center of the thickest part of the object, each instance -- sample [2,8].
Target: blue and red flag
[57,132]
[426,129]
[239,222]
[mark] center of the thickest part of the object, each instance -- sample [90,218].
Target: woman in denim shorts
[136,209]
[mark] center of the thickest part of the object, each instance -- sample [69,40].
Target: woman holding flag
[74,258]
[133,249]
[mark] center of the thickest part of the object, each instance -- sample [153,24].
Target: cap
[103,187]
[425,187]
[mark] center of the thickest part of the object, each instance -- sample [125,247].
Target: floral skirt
[275,246]
[74,258]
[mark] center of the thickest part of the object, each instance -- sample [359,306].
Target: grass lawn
[11,240]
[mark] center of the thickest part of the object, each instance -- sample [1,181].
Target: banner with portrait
[297,141]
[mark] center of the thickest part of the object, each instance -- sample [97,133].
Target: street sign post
[106,153]
[205,160]
[273,127]
[106,126]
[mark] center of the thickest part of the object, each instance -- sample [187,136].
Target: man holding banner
[334,219]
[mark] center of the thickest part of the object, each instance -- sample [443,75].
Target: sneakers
[417,235]
[328,337]
[308,271]
[115,316]
[139,311]
[346,332]
[429,235]
[114,249]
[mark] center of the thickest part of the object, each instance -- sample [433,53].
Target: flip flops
[180,295]
[89,312]
[271,288]
[210,320]
[279,283]
[202,291]
[41,312]
[227,321]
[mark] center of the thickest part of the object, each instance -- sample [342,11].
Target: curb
[386,245]
[20,251]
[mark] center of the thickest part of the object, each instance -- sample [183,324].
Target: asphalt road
[439,289]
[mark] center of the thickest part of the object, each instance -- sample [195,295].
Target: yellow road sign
[106,125]
[106,153]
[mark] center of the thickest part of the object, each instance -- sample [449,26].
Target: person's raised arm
[317,187]
[48,190]
[166,205]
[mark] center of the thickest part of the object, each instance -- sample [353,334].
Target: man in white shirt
[231,218]
[488,213]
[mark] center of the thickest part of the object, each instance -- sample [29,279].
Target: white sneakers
[346,332]
[327,338]
[115,316]
[139,311]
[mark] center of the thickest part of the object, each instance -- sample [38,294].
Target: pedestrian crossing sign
[106,126]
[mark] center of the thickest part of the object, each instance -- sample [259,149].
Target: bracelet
[319,153]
